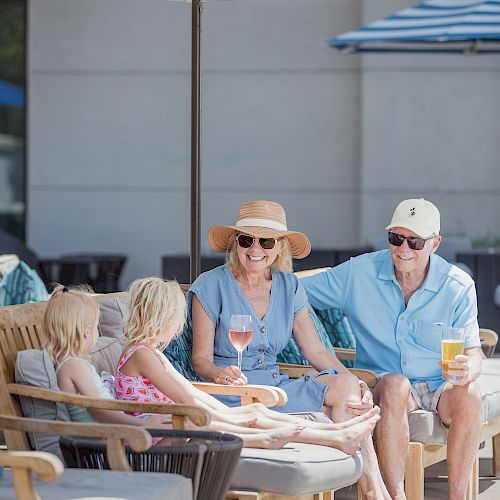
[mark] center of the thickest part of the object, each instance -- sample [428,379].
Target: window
[12,116]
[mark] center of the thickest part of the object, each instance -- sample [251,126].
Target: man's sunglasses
[414,242]
[246,241]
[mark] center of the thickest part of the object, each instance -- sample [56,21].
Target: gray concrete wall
[109,122]
[430,128]
[337,139]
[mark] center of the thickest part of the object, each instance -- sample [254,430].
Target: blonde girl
[157,313]
[70,322]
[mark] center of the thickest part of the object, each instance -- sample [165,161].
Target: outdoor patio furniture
[485,266]
[177,266]
[207,458]
[298,469]
[53,482]
[101,271]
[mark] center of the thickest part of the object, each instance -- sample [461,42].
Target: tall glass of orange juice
[452,344]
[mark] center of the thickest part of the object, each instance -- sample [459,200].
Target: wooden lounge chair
[300,470]
[18,482]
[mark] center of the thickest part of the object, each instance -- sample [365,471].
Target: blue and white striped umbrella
[433,26]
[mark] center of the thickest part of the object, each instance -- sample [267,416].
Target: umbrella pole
[195,259]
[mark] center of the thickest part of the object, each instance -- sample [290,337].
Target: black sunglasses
[246,241]
[414,242]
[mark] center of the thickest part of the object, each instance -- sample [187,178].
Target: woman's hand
[231,376]
[366,401]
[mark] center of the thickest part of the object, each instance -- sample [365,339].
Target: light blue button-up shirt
[392,337]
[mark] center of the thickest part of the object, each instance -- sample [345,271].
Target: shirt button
[404,363]
[261,349]
[403,318]
[275,375]
[260,361]
[263,329]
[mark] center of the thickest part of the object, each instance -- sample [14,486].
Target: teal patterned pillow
[292,352]
[338,329]
[178,353]
[21,286]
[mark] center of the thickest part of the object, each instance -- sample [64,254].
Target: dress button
[263,329]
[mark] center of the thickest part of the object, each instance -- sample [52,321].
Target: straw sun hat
[262,219]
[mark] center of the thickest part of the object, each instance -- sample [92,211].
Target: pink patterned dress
[139,388]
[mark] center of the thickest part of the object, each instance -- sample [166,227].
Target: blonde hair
[283,261]
[154,305]
[69,315]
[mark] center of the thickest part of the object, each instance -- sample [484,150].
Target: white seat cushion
[425,427]
[297,469]
[85,483]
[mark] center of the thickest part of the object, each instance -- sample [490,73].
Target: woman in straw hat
[257,281]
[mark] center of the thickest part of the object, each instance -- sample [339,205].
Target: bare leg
[343,388]
[392,394]
[258,438]
[347,439]
[460,408]
[267,418]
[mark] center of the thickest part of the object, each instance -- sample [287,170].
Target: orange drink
[450,349]
[452,344]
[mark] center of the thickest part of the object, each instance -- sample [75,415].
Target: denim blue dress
[221,296]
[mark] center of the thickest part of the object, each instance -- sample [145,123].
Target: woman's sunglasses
[246,241]
[413,242]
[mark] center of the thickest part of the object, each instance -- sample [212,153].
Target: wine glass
[240,333]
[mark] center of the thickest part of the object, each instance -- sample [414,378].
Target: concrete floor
[436,481]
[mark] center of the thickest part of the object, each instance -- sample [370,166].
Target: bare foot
[360,418]
[352,436]
[271,439]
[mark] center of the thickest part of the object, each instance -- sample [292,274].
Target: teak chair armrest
[46,466]
[180,413]
[345,353]
[115,434]
[295,371]
[268,396]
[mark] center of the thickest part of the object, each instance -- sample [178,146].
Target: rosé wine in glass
[240,333]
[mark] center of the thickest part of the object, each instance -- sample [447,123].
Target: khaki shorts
[424,397]
[315,416]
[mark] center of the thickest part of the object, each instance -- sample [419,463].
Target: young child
[157,313]
[70,322]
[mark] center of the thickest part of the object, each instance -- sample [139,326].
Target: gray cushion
[106,354]
[425,427]
[113,316]
[85,483]
[297,469]
[34,367]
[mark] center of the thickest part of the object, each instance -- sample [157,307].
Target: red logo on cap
[412,212]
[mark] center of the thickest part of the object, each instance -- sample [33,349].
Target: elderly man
[397,300]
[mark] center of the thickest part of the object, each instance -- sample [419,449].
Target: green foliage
[12,40]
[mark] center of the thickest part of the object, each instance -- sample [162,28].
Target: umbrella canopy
[11,95]
[433,26]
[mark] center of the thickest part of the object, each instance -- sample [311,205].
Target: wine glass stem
[240,355]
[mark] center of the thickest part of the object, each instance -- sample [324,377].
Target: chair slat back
[21,328]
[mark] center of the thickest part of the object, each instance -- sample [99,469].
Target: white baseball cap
[417,215]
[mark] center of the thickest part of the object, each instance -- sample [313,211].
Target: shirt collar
[430,283]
